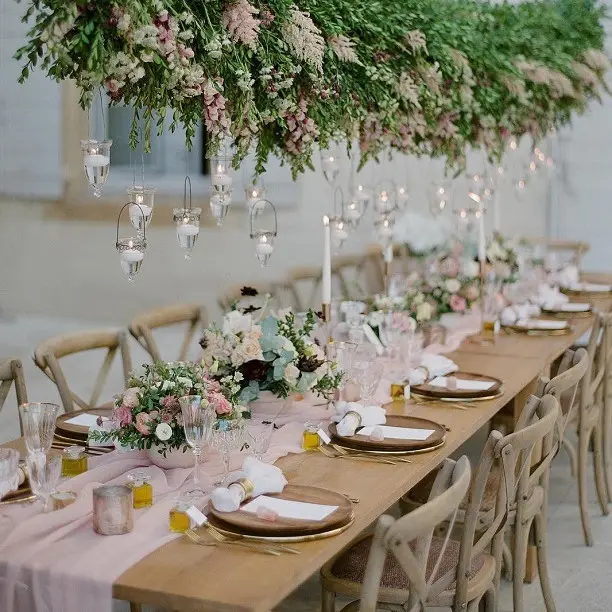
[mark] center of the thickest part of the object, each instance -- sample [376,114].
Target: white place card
[84,420]
[541,324]
[398,433]
[286,508]
[463,384]
[574,307]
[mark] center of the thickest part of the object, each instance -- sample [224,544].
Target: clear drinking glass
[9,475]
[259,435]
[38,420]
[368,375]
[43,473]
[227,436]
[198,423]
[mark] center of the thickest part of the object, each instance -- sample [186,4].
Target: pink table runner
[55,562]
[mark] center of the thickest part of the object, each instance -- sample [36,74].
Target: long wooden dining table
[184,576]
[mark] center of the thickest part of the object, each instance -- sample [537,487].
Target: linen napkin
[431,366]
[265,478]
[549,297]
[351,415]
[567,276]
[511,314]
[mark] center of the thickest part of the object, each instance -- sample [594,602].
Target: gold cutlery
[221,539]
[355,456]
[394,459]
[272,545]
[441,403]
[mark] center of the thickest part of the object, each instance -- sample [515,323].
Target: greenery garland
[422,77]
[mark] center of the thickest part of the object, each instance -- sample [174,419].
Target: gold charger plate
[359,442]
[21,496]
[430,392]
[568,314]
[225,530]
[526,331]
[586,294]
[416,451]
[428,398]
[247,523]
[80,432]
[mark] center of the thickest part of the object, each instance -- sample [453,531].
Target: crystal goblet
[43,473]
[38,420]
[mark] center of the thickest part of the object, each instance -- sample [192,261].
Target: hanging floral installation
[422,77]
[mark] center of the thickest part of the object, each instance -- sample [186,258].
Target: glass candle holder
[384,229]
[131,252]
[253,196]
[219,206]
[142,489]
[220,180]
[141,211]
[264,246]
[96,161]
[74,461]
[187,222]
[354,211]
[338,231]
[113,512]
[178,520]
[401,196]
[330,164]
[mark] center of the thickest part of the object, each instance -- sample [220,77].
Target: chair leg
[490,600]
[507,561]
[598,467]
[540,538]
[573,456]
[474,605]
[521,541]
[134,607]
[583,502]
[496,551]
[328,600]
[607,442]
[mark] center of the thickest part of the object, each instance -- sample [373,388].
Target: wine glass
[259,435]
[9,474]
[227,436]
[38,420]
[368,375]
[43,473]
[198,422]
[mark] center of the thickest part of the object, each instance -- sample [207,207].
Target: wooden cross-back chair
[575,248]
[11,373]
[507,493]
[351,273]
[606,397]
[234,294]
[49,352]
[303,285]
[143,326]
[406,545]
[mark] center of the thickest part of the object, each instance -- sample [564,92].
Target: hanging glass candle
[353,212]
[219,206]
[330,164]
[221,180]
[385,203]
[401,196]
[187,221]
[338,230]
[142,211]
[254,196]
[131,249]
[264,226]
[384,229]
[96,161]
[439,197]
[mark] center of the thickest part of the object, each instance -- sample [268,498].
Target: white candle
[388,254]
[352,214]
[221,180]
[96,160]
[264,248]
[132,255]
[326,272]
[482,249]
[140,210]
[188,229]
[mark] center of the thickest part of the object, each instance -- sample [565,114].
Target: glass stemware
[259,435]
[9,475]
[38,420]
[227,436]
[198,422]
[368,375]
[43,473]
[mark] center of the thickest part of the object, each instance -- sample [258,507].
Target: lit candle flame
[130,243]
[263,238]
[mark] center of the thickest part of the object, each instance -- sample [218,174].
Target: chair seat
[344,575]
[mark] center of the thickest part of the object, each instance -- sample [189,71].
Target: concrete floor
[580,575]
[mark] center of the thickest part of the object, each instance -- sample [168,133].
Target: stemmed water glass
[38,420]
[198,422]
[43,473]
[9,474]
[227,436]
[368,375]
[259,435]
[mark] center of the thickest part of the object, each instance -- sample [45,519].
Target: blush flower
[220,403]
[143,423]
[131,398]
[457,303]
[122,415]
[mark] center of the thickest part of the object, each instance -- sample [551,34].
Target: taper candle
[326,272]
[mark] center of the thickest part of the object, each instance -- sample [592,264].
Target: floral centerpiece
[503,258]
[148,414]
[270,354]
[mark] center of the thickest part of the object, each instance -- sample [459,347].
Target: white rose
[419,298]
[424,311]
[251,349]
[453,285]
[470,269]
[291,374]
[235,322]
[163,432]
[167,384]
[288,346]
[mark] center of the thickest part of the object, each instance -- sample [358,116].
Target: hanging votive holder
[221,180]
[384,230]
[338,230]
[353,213]
[96,161]
[187,222]
[219,207]
[383,203]
[264,228]
[254,196]
[401,196]
[330,164]
[132,249]
[142,209]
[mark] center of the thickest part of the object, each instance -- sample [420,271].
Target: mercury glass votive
[131,252]
[113,513]
[187,222]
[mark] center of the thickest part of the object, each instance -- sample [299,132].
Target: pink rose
[143,421]
[112,85]
[449,267]
[131,397]
[457,303]
[219,402]
[471,293]
[122,415]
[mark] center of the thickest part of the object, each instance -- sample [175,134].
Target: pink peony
[212,385]
[219,402]
[449,267]
[457,303]
[143,421]
[122,415]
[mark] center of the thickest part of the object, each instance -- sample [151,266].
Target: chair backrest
[351,271]
[234,295]
[409,538]
[142,327]
[48,354]
[11,372]
[303,284]
[574,248]
[593,381]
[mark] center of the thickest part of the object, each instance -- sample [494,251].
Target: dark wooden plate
[247,523]
[359,442]
[428,390]
[77,432]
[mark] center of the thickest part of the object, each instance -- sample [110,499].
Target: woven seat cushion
[351,564]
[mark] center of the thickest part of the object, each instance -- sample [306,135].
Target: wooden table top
[187,577]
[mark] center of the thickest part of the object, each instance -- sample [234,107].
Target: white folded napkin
[567,276]
[511,314]
[265,478]
[549,297]
[541,324]
[351,415]
[431,366]
[591,287]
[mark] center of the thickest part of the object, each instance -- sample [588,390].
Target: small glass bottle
[310,440]
[143,491]
[74,461]
[179,521]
